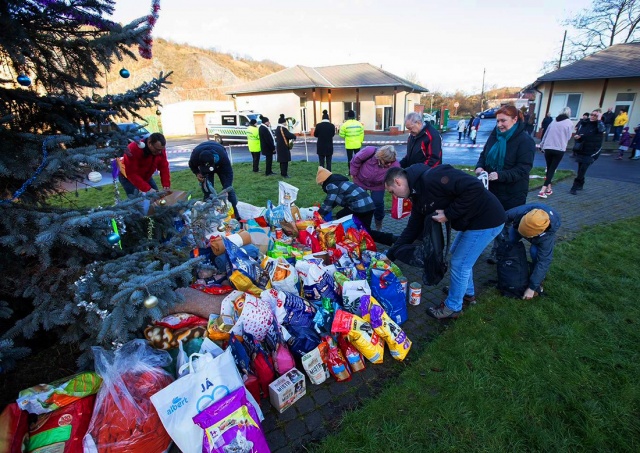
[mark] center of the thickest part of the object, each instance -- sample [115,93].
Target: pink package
[231,424]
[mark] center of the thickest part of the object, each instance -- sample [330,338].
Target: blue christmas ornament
[124,73]
[24,80]
[113,238]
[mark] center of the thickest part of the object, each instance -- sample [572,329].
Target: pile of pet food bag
[316,300]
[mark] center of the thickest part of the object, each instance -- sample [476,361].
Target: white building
[188,117]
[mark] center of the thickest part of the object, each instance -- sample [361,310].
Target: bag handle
[286,142]
[189,364]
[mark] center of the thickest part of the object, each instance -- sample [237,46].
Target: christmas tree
[91,276]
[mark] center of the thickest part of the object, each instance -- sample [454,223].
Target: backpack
[513,268]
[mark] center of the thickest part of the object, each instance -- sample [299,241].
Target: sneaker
[549,192]
[573,191]
[468,299]
[443,312]
[619,158]
[492,257]
[542,194]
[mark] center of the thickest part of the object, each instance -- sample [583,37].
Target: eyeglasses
[593,114]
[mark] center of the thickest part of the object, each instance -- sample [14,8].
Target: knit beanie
[282,119]
[534,223]
[322,175]
[325,115]
[253,122]
[264,119]
[351,114]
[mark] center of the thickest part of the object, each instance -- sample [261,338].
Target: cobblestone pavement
[318,413]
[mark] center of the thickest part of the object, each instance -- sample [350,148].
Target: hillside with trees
[469,103]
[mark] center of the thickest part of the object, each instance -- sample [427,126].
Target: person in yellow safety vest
[353,133]
[253,139]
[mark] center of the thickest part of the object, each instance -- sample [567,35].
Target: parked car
[489,113]
[428,118]
[133,128]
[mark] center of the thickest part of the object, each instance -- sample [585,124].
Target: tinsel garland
[28,182]
[145,48]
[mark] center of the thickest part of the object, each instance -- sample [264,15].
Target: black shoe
[286,176]
[256,171]
[573,191]
[269,174]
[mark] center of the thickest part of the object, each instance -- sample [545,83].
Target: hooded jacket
[544,242]
[466,203]
[342,192]
[365,169]
[512,184]
[423,148]
[558,134]
[140,165]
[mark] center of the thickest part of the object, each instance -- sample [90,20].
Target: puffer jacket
[366,171]
[591,137]
[512,184]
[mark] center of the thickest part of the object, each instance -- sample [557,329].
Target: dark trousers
[350,154]
[227,181]
[269,164]
[460,134]
[366,218]
[256,162]
[553,158]
[584,162]
[607,130]
[131,190]
[284,168]
[325,161]
[617,130]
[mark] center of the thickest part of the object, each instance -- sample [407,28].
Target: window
[244,121]
[229,120]
[562,100]
[625,97]
[348,106]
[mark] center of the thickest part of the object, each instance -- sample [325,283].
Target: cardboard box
[287,389]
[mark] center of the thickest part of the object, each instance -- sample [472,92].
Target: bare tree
[608,22]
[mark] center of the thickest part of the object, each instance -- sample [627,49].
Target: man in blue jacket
[538,224]
[208,159]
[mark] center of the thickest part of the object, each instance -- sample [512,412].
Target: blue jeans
[465,250]
[378,200]
[131,190]
[617,130]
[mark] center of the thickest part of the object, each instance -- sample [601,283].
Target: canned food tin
[405,283]
[278,233]
[415,293]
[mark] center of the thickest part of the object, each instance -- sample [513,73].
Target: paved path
[318,413]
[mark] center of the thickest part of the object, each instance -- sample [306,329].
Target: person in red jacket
[140,163]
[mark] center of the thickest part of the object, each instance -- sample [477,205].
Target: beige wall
[272,104]
[591,91]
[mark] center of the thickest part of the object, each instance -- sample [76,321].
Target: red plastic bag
[400,207]
[124,420]
[338,366]
[14,429]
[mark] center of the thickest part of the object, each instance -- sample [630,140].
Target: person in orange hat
[538,224]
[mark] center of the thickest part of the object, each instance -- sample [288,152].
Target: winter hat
[534,223]
[264,119]
[626,128]
[282,119]
[351,114]
[322,175]
[253,122]
[325,115]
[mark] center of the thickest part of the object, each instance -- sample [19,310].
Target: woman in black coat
[283,137]
[591,138]
[325,131]
[508,158]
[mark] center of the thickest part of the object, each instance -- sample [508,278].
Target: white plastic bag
[287,194]
[208,381]
[352,291]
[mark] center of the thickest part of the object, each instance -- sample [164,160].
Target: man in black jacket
[208,159]
[267,144]
[424,145]
[446,194]
[325,131]
[607,119]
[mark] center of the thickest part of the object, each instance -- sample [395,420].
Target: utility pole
[562,50]
[484,71]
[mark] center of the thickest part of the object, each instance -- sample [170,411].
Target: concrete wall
[591,91]
[177,119]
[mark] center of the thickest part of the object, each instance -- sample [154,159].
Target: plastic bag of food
[242,263]
[360,334]
[316,283]
[231,425]
[256,317]
[314,366]
[352,291]
[283,275]
[338,366]
[387,289]
[397,340]
[287,194]
[14,429]
[351,353]
[45,398]
[330,235]
[124,419]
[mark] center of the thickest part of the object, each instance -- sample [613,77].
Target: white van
[230,127]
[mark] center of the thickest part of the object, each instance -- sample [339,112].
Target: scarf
[495,156]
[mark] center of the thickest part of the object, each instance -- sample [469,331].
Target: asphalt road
[454,152]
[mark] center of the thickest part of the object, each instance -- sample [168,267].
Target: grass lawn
[559,373]
[253,188]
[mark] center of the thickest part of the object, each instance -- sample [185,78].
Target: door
[624,101]
[303,119]
[388,118]
[199,123]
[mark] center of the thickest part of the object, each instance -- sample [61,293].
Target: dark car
[133,129]
[489,113]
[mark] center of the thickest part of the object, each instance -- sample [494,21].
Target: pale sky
[446,43]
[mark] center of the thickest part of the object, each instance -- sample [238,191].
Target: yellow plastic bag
[397,340]
[360,334]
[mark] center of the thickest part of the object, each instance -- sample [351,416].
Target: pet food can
[405,283]
[278,233]
[415,293]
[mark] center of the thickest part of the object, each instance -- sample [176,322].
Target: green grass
[252,188]
[559,373]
